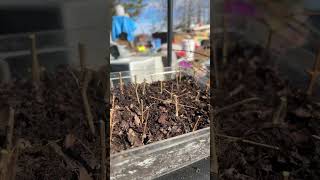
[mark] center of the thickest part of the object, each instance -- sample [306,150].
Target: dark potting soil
[249,74]
[51,127]
[159,120]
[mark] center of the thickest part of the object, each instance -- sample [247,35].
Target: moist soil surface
[292,124]
[153,117]
[50,127]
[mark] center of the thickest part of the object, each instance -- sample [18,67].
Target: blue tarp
[123,24]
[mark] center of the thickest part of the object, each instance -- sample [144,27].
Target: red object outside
[181,54]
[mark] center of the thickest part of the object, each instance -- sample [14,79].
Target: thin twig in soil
[196,124]
[144,87]
[148,107]
[171,102]
[236,91]
[145,126]
[225,41]
[85,146]
[74,77]
[142,112]
[214,164]
[215,64]
[35,62]
[187,106]
[248,141]
[269,38]
[171,93]
[164,101]
[314,74]
[316,137]
[10,128]
[111,117]
[286,175]
[207,86]
[86,104]
[198,96]
[81,50]
[280,114]
[236,104]
[135,80]
[184,94]
[121,83]
[161,87]
[138,99]
[71,164]
[177,79]
[103,150]
[177,105]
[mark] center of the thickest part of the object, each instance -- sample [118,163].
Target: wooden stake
[121,83]
[10,128]
[35,61]
[196,124]
[144,87]
[86,104]
[177,105]
[103,150]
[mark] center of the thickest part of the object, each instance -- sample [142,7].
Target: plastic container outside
[162,157]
